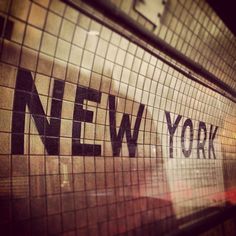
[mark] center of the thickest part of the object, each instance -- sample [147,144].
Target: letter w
[27,94]
[125,127]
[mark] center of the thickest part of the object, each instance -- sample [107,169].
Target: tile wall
[100,137]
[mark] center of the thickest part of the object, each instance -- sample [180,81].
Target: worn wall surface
[98,136]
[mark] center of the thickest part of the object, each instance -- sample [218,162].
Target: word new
[26,94]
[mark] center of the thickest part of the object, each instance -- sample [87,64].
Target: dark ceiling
[226,10]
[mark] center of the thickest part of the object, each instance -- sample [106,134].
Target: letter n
[26,94]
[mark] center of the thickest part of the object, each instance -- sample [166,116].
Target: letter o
[187,152]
